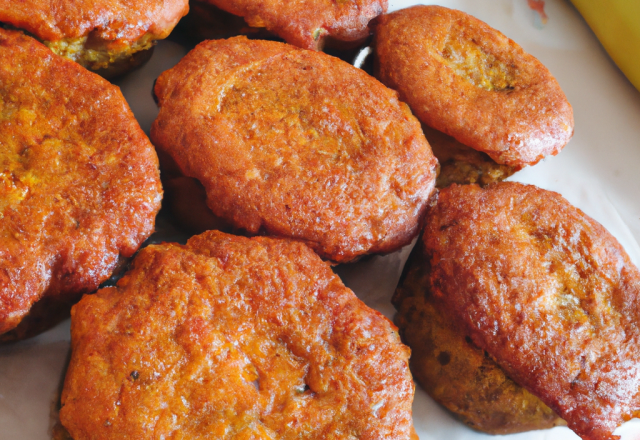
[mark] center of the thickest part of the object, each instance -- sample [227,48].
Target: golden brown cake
[101,35]
[547,292]
[295,143]
[232,338]
[79,182]
[467,80]
[452,369]
[308,23]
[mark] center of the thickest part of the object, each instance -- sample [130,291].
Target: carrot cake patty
[295,143]
[547,292]
[466,79]
[230,337]
[79,181]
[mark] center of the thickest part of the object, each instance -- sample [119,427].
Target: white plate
[597,171]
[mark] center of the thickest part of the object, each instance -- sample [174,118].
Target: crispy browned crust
[461,164]
[231,337]
[116,21]
[79,180]
[102,35]
[468,80]
[295,143]
[307,23]
[548,292]
[452,370]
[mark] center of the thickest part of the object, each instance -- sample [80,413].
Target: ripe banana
[616,23]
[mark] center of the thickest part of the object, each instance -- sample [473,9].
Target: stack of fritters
[521,311]
[79,182]
[544,290]
[452,369]
[467,80]
[234,337]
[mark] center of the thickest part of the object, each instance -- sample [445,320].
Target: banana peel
[616,23]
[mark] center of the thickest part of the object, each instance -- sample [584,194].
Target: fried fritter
[452,370]
[547,292]
[308,23]
[295,143]
[102,35]
[468,80]
[230,337]
[79,180]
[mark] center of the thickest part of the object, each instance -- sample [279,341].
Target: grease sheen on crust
[466,79]
[233,338]
[79,180]
[548,292]
[296,143]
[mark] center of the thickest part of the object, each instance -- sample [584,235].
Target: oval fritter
[296,143]
[548,292]
[79,180]
[307,23]
[452,370]
[231,337]
[95,33]
[468,80]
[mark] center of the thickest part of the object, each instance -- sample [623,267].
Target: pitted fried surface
[468,80]
[306,23]
[545,290]
[296,143]
[79,180]
[233,338]
[452,370]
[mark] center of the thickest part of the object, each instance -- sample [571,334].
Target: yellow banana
[616,23]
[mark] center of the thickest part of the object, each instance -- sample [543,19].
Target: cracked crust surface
[79,180]
[307,23]
[547,292]
[298,144]
[468,80]
[231,337]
